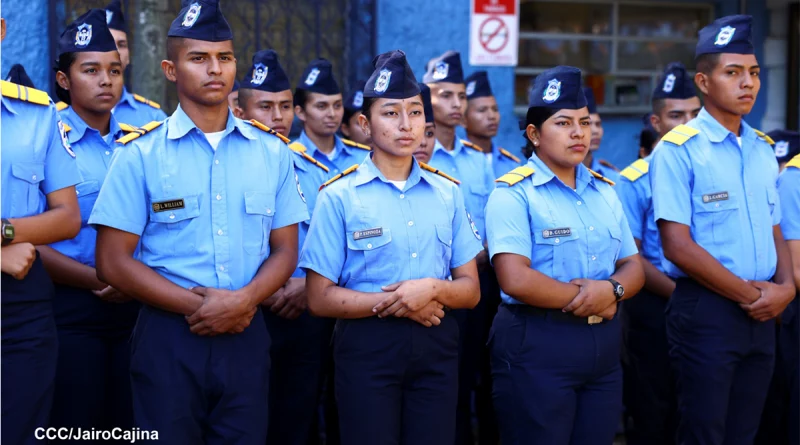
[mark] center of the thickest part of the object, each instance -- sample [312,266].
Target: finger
[390,300]
[293,314]
[391,309]
[436,321]
[287,309]
[199,290]
[576,302]
[391,287]
[577,281]
[278,305]
[439,313]
[402,312]
[199,328]
[197,317]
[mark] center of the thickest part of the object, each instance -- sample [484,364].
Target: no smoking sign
[494,32]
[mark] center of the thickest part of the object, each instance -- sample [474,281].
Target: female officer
[94,320]
[564,257]
[384,238]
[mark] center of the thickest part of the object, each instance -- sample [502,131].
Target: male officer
[649,390]
[352,109]
[299,341]
[601,166]
[132,109]
[482,121]
[318,103]
[214,202]
[37,164]
[787,145]
[717,209]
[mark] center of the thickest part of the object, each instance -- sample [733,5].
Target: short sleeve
[789,191]
[628,246]
[670,182]
[466,245]
[60,167]
[325,246]
[122,202]
[632,204]
[508,227]
[289,204]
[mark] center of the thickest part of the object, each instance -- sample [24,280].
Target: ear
[62,80]
[363,122]
[2,28]
[655,121]
[701,80]
[300,113]
[238,112]
[642,153]
[532,133]
[168,67]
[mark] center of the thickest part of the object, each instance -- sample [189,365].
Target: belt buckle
[594,319]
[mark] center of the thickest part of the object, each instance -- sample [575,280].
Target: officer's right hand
[774,299]
[222,311]
[17,259]
[594,297]
[609,312]
[111,295]
[430,315]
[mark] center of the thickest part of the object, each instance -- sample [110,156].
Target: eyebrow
[741,67]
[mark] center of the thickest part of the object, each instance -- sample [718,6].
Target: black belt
[553,314]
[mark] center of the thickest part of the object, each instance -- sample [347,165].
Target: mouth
[456,116]
[595,142]
[215,84]
[105,96]
[492,127]
[278,128]
[405,141]
[746,98]
[577,147]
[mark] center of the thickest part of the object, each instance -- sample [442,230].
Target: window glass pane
[521,85]
[627,91]
[654,56]
[661,21]
[547,53]
[565,17]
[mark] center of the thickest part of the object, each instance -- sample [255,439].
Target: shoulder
[146,101]
[636,170]
[680,135]
[601,177]
[126,128]
[354,144]
[435,171]
[794,164]
[763,136]
[24,94]
[267,130]
[469,144]
[515,176]
[145,132]
[341,175]
[304,157]
[508,155]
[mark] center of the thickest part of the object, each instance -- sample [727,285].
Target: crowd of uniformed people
[202,276]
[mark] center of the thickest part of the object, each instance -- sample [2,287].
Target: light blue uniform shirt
[367,233]
[94,157]
[789,189]
[637,201]
[311,177]
[204,216]
[726,194]
[471,168]
[344,158]
[500,163]
[36,158]
[566,233]
[607,172]
[132,112]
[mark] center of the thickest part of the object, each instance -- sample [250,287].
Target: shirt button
[216,161]
[219,197]
[402,196]
[411,223]
[369,246]
[594,257]
[579,203]
[171,216]
[34,177]
[591,227]
[414,255]
[269,211]
[716,205]
[222,268]
[219,232]
[108,152]
[558,240]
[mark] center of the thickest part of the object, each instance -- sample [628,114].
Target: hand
[17,259]
[430,315]
[293,302]
[111,295]
[774,299]
[594,297]
[608,313]
[274,298]
[222,311]
[406,296]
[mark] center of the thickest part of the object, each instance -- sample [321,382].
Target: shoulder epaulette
[350,143]
[764,136]
[127,128]
[605,163]
[469,144]
[427,167]
[61,106]
[680,134]
[601,177]
[508,154]
[794,162]
[263,127]
[311,159]
[298,147]
[635,170]
[339,176]
[147,101]
[516,175]
[24,93]
[137,132]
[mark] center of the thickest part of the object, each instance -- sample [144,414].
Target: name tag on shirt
[556,233]
[163,206]
[369,233]
[713,197]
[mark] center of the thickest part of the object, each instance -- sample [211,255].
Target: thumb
[391,287]
[199,290]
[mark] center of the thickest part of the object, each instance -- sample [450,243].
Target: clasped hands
[412,299]
[772,300]
[595,297]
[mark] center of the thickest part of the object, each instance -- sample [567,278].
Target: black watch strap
[616,285]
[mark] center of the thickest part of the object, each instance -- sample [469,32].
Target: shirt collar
[716,132]
[180,124]
[542,174]
[457,147]
[78,127]
[7,105]
[127,97]
[368,172]
[311,147]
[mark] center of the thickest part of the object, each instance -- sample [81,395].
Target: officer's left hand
[774,299]
[406,296]
[593,298]
[222,311]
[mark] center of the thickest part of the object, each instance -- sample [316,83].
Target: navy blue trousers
[29,355]
[557,381]
[648,383]
[199,390]
[93,388]
[396,381]
[299,350]
[723,361]
[789,343]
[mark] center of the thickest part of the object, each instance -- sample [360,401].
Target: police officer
[716,204]
[482,121]
[94,320]
[132,109]
[352,109]
[384,239]
[299,341]
[318,103]
[649,388]
[37,164]
[601,166]
[787,146]
[425,151]
[214,202]
[565,257]
[18,76]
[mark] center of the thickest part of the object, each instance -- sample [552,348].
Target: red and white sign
[494,32]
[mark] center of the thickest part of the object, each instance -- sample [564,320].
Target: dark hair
[367,105]
[658,105]
[705,63]
[300,97]
[647,140]
[349,114]
[174,45]
[536,117]
[244,96]
[63,64]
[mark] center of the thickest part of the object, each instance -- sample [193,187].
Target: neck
[324,144]
[481,141]
[394,168]
[587,161]
[207,118]
[565,173]
[446,136]
[731,122]
[99,121]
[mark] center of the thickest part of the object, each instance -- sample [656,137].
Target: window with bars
[621,46]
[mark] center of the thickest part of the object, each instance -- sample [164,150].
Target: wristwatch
[619,291]
[7,232]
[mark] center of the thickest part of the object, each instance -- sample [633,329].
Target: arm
[326,299]
[529,286]
[655,281]
[794,251]
[775,295]
[61,221]
[596,296]
[277,269]
[64,270]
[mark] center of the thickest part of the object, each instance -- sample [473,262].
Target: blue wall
[27,39]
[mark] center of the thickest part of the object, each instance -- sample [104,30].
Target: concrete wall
[27,39]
